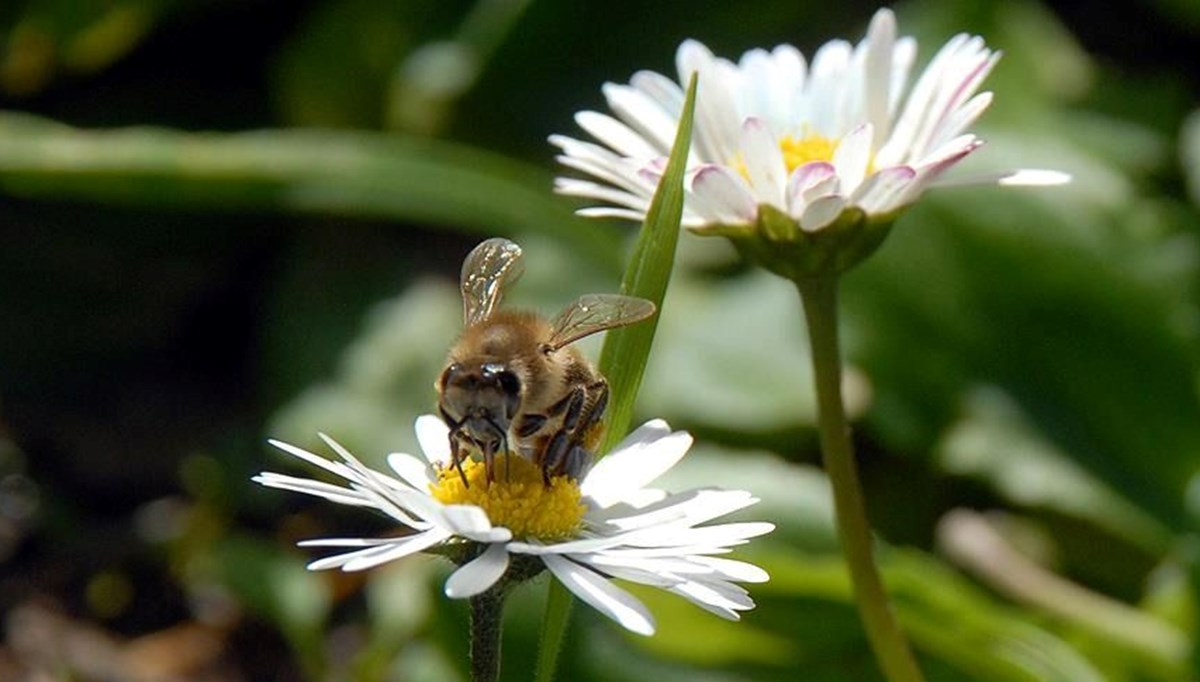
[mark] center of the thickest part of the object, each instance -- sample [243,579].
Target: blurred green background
[224,220]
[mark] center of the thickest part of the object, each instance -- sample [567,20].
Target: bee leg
[489,456]
[530,424]
[575,409]
[457,458]
[555,454]
[600,388]
[577,462]
[507,457]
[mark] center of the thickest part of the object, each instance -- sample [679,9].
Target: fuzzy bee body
[513,381]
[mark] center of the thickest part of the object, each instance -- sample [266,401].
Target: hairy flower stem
[819,295]
[486,612]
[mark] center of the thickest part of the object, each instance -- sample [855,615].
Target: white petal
[690,57]
[804,179]
[606,212]
[478,574]
[591,190]
[634,464]
[764,162]
[473,523]
[718,536]
[717,122]
[643,115]
[615,134]
[411,470]
[602,595]
[721,195]
[333,493]
[336,468]
[852,156]
[791,70]
[881,39]
[434,438]
[690,508]
[821,212]
[962,118]
[591,544]
[918,107]
[601,163]
[670,567]
[634,574]
[882,191]
[763,95]
[828,89]
[366,475]
[374,556]
[727,614]
[704,596]
[346,542]
[734,570]
[661,89]
[1033,177]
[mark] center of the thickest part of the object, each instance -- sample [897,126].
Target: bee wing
[487,272]
[593,313]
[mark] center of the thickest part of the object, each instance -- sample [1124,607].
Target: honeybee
[513,381]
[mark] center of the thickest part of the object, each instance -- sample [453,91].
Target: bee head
[480,399]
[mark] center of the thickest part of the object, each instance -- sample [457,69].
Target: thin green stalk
[486,612]
[623,357]
[819,296]
[554,630]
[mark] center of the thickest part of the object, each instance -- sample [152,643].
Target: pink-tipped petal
[822,212]
[881,192]
[764,162]
[852,156]
[804,179]
[722,196]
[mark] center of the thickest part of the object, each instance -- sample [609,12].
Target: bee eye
[450,372]
[509,383]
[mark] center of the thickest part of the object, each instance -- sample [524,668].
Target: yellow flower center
[518,499]
[796,153]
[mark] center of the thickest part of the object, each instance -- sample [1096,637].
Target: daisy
[607,525]
[810,140]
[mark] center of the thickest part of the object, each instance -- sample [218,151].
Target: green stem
[486,612]
[819,296]
[554,631]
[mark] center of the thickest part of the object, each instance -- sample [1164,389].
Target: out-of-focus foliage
[224,221]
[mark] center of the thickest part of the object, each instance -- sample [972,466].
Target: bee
[513,381]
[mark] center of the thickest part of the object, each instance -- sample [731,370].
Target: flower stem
[554,630]
[819,296]
[486,611]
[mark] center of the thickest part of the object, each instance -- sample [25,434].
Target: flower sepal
[777,242]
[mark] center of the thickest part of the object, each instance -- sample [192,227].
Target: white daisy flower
[810,140]
[608,525]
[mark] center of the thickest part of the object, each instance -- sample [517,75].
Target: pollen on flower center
[518,499]
[797,152]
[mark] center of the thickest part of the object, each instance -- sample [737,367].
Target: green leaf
[359,174]
[623,358]
[626,350]
[996,442]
